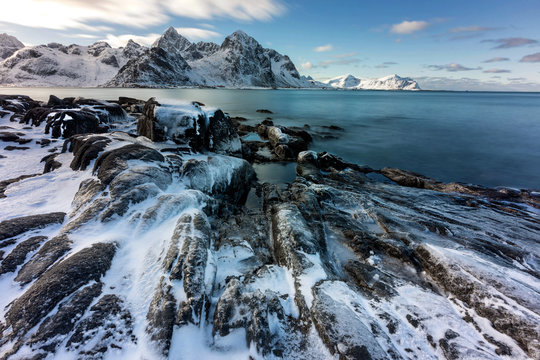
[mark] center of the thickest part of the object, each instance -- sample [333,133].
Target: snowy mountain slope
[58,65]
[391,82]
[8,45]
[240,61]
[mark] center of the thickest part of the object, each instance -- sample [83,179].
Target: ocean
[484,138]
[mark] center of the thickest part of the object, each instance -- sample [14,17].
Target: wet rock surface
[160,253]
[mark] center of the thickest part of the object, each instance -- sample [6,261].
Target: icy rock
[109,315]
[113,162]
[220,176]
[18,255]
[17,226]
[221,135]
[85,148]
[54,285]
[47,255]
[193,232]
[345,328]
[307,163]
[63,322]
[261,313]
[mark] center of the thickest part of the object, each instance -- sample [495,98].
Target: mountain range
[172,61]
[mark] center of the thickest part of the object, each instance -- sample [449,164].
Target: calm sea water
[491,139]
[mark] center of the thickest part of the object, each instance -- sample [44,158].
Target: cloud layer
[507,43]
[192,34]
[531,58]
[453,67]
[80,14]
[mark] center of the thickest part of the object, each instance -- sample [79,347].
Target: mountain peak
[10,41]
[239,40]
[171,41]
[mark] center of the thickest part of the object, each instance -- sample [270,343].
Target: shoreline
[147,218]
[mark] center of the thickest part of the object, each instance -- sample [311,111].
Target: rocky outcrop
[17,226]
[167,249]
[189,124]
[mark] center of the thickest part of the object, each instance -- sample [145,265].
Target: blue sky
[454,45]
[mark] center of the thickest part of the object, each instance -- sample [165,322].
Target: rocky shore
[125,233]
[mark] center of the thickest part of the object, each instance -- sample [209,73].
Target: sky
[448,45]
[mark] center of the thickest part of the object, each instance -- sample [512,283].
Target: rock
[62,323]
[113,162]
[193,231]
[50,163]
[85,149]
[264,111]
[221,136]
[18,255]
[110,316]
[345,331]
[58,282]
[277,137]
[11,148]
[307,163]
[161,317]
[17,226]
[68,123]
[47,255]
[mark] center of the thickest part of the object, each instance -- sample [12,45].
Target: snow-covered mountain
[240,61]
[58,65]
[391,82]
[172,60]
[8,45]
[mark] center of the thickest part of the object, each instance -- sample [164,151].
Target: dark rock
[17,226]
[221,136]
[62,323]
[47,255]
[18,255]
[264,111]
[110,315]
[50,163]
[85,149]
[11,148]
[161,317]
[59,281]
[111,163]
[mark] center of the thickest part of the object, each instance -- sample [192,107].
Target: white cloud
[79,14]
[193,34]
[307,65]
[237,9]
[324,48]
[408,27]
[121,40]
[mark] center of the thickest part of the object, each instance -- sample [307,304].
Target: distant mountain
[58,65]
[172,60]
[8,45]
[391,82]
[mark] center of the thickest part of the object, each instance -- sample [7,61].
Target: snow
[390,82]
